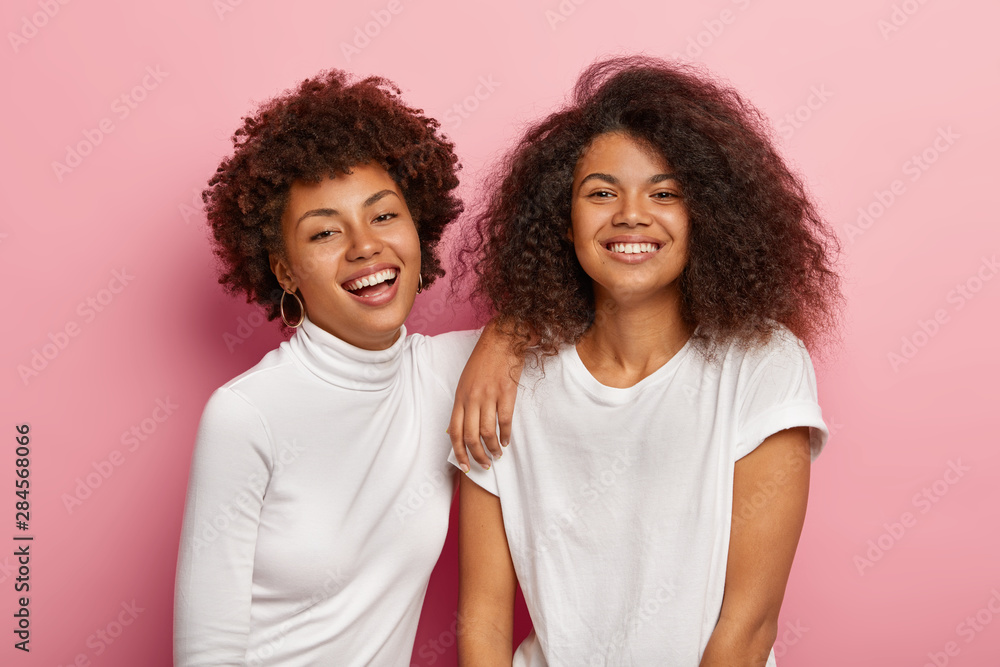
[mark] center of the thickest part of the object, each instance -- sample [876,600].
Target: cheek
[413,242]
[575,215]
[683,252]
[317,265]
[403,235]
[584,223]
[680,230]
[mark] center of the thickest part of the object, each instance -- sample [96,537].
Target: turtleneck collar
[340,363]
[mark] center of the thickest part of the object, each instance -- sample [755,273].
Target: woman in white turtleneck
[319,492]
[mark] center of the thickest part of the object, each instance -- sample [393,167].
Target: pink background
[871,586]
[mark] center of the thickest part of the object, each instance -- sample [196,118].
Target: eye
[326,233]
[666,195]
[385,217]
[601,194]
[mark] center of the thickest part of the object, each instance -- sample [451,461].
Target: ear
[569,233]
[283,272]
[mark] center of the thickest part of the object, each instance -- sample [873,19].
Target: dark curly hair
[323,128]
[759,253]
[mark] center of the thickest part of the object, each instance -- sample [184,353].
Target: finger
[505,414]
[470,436]
[488,429]
[455,434]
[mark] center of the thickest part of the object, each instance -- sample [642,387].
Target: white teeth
[373,279]
[632,248]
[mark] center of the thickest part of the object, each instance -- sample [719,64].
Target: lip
[636,258]
[379,299]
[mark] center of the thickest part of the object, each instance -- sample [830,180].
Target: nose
[630,212]
[365,243]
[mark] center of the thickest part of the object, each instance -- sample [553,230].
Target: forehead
[341,190]
[619,152]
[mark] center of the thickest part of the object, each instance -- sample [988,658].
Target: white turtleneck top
[318,504]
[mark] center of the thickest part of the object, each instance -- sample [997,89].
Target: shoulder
[233,447]
[232,429]
[545,369]
[443,355]
[229,411]
[264,371]
[236,401]
[776,389]
[782,350]
[450,344]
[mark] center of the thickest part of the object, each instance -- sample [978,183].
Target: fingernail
[464,468]
[505,442]
[498,456]
[486,467]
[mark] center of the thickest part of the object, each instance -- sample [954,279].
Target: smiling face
[353,254]
[629,220]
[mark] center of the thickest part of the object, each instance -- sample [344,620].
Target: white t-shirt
[318,504]
[617,503]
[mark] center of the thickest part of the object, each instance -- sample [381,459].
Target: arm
[487,581]
[229,472]
[485,395]
[761,548]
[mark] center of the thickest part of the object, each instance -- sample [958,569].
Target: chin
[388,326]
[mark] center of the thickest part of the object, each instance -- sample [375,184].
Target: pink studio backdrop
[117,324]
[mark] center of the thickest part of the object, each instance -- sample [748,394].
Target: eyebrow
[330,212]
[376,197]
[608,178]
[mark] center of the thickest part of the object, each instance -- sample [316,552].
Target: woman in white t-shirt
[664,265]
[319,496]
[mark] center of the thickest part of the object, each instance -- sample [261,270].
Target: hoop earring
[420,283]
[302,309]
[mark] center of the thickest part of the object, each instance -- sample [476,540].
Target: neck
[630,339]
[341,363]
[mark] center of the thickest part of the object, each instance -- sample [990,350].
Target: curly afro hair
[760,255]
[323,128]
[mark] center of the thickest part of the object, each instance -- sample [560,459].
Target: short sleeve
[448,353]
[780,394]
[229,474]
[484,478]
